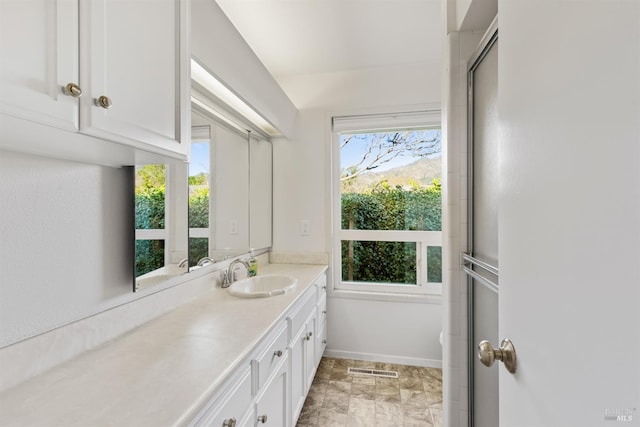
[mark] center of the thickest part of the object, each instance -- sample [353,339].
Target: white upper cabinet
[38,57]
[127,62]
[130,67]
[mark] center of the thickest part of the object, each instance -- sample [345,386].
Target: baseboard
[383,358]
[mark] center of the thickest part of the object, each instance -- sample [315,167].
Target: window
[199,189]
[387,203]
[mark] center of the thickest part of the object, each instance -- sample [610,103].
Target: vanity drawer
[298,316]
[322,311]
[232,403]
[321,283]
[321,341]
[267,360]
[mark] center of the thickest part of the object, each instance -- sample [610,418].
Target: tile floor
[340,399]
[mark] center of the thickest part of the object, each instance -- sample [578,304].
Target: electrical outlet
[305,227]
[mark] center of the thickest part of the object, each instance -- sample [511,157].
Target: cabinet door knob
[104,102]
[262,419]
[324,341]
[309,335]
[277,353]
[72,89]
[324,311]
[230,422]
[324,287]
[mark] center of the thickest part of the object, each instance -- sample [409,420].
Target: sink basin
[267,285]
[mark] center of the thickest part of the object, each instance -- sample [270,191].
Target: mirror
[216,207]
[161,224]
[218,191]
[260,193]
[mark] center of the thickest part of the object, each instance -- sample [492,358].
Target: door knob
[72,90]
[506,353]
[230,422]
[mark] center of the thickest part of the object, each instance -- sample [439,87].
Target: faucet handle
[226,280]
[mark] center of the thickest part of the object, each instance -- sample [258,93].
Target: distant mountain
[422,171]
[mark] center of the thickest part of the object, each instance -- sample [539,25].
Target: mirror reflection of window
[150,192]
[161,225]
[199,194]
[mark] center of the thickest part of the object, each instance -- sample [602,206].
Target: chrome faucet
[204,261]
[229,276]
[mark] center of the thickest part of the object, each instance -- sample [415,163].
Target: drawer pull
[262,419]
[231,422]
[277,353]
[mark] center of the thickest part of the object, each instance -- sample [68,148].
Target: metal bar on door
[488,283]
[483,265]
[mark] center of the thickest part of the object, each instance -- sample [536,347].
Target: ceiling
[300,37]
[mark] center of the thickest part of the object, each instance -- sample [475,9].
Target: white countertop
[159,374]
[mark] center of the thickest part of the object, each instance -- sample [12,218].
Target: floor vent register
[373,372]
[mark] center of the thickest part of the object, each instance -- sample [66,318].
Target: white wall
[66,256]
[300,185]
[66,250]
[407,332]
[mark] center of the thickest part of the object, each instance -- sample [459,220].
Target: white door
[569,212]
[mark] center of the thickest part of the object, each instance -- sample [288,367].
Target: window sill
[387,296]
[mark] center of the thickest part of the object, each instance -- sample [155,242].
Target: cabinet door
[321,341]
[321,327]
[39,51]
[271,405]
[310,352]
[298,376]
[132,54]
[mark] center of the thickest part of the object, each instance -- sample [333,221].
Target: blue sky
[199,158]
[353,152]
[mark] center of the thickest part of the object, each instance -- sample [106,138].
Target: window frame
[173,219]
[422,239]
[202,134]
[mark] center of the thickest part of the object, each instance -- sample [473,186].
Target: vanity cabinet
[87,67]
[308,325]
[270,388]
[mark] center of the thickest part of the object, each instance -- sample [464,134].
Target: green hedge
[382,208]
[391,208]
